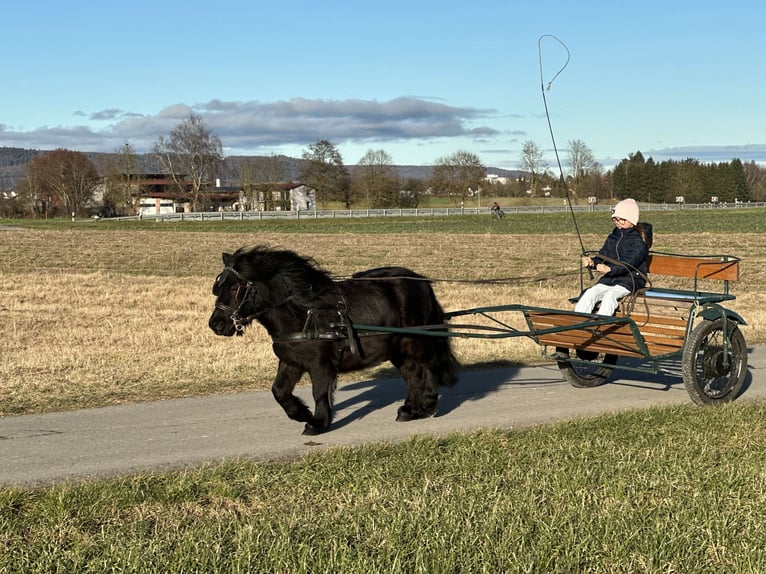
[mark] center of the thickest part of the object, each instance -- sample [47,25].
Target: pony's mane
[298,273]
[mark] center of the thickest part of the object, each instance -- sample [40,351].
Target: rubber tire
[587,376]
[704,376]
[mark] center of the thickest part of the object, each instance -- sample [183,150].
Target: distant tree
[684,179]
[260,179]
[645,180]
[629,177]
[375,179]
[738,179]
[409,196]
[191,155]
[63,178]
[532,162]
[33,196]
[323,170]
[582,164]
[272,171]
[248,180]
[120,182]
[458,174]
[755,180]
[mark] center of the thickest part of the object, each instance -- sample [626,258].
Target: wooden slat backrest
[693,267]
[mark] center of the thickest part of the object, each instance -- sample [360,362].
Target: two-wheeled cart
[656,325]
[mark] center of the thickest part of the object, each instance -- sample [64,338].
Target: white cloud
[252,125]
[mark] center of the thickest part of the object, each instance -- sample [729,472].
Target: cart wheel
[593,374]
[707,378]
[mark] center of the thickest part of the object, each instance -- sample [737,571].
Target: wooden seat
[648,324]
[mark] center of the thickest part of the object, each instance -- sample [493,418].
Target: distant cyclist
[497,211]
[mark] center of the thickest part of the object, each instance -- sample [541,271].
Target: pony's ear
[227,259]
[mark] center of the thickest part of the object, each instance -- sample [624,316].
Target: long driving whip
[545,88]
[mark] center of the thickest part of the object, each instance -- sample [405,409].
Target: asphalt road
[173,434]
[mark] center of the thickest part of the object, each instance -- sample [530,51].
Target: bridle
[243,283]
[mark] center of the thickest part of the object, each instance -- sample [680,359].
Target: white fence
[418,212]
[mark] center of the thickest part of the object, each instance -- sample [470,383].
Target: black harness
[246,292]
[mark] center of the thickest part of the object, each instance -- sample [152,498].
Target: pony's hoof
[310,430]
[405,414]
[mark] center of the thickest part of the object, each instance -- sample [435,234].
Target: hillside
[13,161]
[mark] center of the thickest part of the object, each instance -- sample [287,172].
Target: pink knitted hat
[626,209]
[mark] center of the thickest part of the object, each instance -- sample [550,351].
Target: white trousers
[609,295]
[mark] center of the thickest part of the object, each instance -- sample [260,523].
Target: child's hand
[587,261]
[603,268]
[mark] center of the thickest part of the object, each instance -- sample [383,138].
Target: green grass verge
[672,489]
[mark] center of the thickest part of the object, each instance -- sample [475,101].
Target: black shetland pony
[310,318]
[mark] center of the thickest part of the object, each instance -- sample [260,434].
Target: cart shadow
[483,380]
[665,380]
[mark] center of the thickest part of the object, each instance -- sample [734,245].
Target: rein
[498,281]
[343,329]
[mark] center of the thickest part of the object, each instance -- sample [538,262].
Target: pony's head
[235,299]
[260,280]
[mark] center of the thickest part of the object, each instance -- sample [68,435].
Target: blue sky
[419,79]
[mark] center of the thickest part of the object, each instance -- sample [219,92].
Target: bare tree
[33,195]
[191,155]
[376,179]
[323,170]
[260,179]
[411,190]
[532,162]
[272,171]
[582,164]
[67,178]
[120,182]
[458,174]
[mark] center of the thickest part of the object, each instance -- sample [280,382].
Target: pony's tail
[444,359]
[448,364]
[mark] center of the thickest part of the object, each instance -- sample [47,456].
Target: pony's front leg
[323,381]
[282,389]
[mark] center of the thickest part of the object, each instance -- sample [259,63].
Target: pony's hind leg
[422,391]
[282,389]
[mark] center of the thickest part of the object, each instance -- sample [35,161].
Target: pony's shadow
[474,384]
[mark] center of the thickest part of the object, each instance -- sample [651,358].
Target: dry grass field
[97,317]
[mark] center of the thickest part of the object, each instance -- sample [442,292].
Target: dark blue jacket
[626,246]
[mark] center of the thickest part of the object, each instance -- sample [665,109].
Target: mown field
[95,314]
